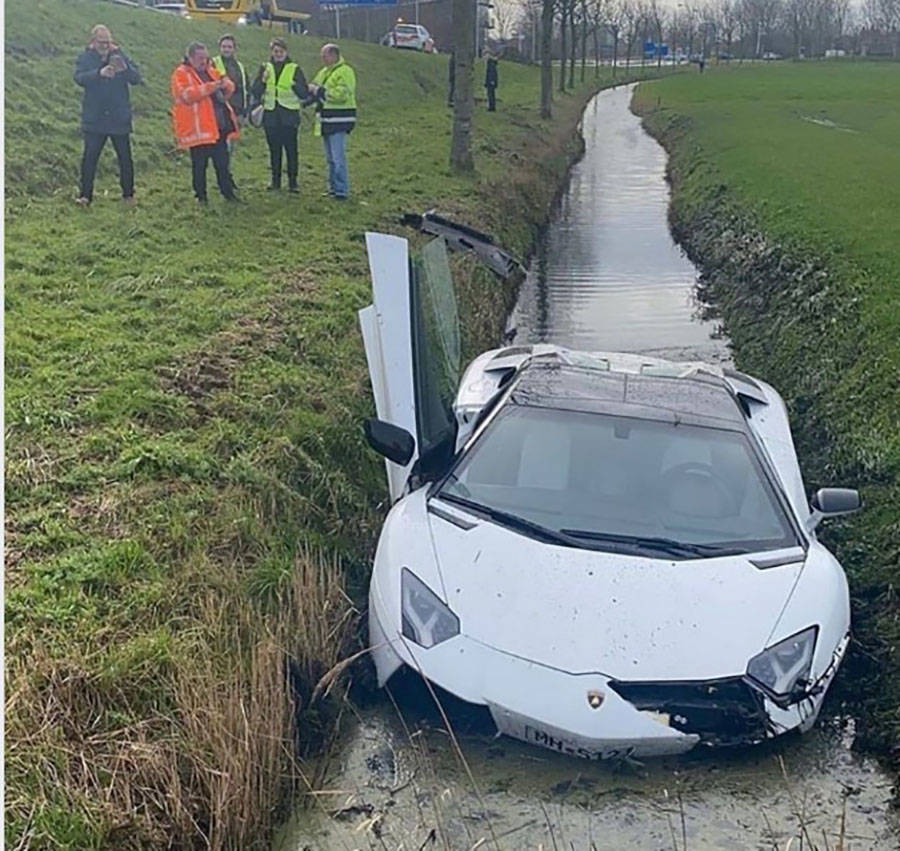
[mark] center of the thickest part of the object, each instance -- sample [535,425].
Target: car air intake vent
[721,712]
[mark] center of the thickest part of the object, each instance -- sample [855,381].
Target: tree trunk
[583,36]
[463,103]
[596,52]
[572,45]
[546,58]
[562,43]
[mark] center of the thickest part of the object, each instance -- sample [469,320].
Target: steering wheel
[726,500]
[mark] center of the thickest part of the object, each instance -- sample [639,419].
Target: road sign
[652,49]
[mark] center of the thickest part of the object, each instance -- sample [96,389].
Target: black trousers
[283,139]
[218,153]
[492,98]
[93,145]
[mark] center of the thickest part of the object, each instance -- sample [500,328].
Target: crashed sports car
[614,554]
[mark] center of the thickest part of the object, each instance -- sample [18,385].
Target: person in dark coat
[282,89]
[451,78]
[491,79]
[105,73]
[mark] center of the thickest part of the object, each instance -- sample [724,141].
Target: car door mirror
[831,502]
[395,443]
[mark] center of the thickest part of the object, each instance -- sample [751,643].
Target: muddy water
[607,276]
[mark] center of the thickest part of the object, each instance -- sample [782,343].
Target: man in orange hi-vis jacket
[203,118]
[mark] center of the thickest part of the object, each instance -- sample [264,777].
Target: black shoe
[233,199]
[202,200]
[273,187]
[295,189]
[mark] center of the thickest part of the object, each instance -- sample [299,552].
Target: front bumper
[532,702]
[590,715]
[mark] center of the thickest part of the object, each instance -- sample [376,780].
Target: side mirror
[395,443]
[831,502]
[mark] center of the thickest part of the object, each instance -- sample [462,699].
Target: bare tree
[584,30]
[656,18]
[463,100]
[599,13]
[614,23]
[760,18]
[633,21]
[547,15]
[506,15]
[572,41]
[564,20]
[724,13]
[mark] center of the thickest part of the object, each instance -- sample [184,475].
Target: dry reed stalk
[211,766]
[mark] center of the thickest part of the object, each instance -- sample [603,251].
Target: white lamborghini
[613,553]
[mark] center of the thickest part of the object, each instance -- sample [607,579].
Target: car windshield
[407,29]
[621,484]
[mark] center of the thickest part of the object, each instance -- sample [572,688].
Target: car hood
[630,618]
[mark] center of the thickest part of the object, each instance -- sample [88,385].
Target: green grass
[786,180]
[189,497]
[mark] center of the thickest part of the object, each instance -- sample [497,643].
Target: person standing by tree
[491,80]
[203,118]
[334,89]
[283,89]
[105,73]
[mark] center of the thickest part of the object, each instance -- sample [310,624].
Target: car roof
[695,399]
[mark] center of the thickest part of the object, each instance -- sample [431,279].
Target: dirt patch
[212,368]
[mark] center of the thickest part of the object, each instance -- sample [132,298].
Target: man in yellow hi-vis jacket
[334,88]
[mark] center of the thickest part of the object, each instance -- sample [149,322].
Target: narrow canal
[607,276]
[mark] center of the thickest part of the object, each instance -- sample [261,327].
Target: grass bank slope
[190,503]
[785,186]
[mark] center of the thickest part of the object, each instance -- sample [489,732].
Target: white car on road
[411,37]
[613,553]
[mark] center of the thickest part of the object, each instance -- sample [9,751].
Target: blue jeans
[336,154]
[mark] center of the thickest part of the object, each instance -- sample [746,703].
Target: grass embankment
[785,186]
[190,501]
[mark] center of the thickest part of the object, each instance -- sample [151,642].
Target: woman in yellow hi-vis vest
[282,88]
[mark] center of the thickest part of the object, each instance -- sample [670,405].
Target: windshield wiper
[664,545]
[513,521]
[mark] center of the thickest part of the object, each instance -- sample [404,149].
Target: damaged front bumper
[592,716]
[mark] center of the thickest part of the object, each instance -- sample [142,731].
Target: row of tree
[735,28]
[578,32]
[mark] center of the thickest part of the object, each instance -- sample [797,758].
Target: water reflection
[607,274]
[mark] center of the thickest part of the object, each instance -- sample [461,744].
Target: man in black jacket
[491,79]
[105,73]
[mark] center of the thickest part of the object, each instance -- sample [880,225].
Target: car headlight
[783,667]
[425,619]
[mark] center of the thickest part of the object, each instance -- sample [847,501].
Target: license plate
[553,742]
